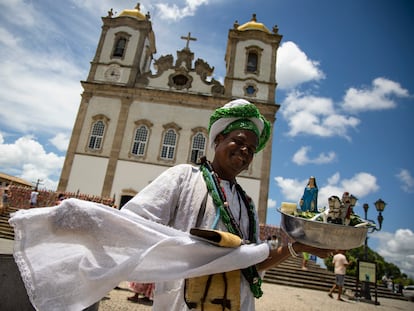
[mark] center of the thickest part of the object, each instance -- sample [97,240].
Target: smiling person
[93,247]
[185,196]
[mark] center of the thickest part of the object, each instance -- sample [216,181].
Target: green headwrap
[242,124]
[241,115]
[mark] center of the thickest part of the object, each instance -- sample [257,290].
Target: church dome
[253,25]
[133,13]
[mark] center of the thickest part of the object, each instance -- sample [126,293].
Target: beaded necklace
[224,213]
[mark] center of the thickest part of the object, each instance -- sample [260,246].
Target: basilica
[140,115]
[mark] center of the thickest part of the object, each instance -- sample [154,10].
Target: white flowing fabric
[72,255]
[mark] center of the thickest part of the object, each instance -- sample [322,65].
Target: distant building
[133,123]
[7,180]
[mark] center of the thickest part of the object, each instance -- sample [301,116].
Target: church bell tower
[251,61]
[125,48]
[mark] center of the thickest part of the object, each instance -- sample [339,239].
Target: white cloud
[407,181]
[291,189]
[30,161]
[60,141]
[174,12]
[21,9]
[7,39]
[40,86]
[169,12]
[271,203]
[41,100]
[360,185]
[378,97]
[312,115]
[308,114]
[397,248]
[294,67]
[301,157]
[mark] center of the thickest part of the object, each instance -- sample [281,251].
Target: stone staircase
[290,273]
[6,231]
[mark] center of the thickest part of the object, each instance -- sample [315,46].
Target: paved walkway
[275,298]
[6,246]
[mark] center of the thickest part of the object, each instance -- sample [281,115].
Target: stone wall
[19,197]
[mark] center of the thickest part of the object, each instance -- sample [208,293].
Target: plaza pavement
[6,246]
[275,298]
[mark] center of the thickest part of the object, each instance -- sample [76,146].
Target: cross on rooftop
[188,38]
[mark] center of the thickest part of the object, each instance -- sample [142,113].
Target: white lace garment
[72,255]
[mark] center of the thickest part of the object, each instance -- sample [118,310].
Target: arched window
[97,133]
[119,47]
[198,147]
[252,59]
[140,141]
[168,145]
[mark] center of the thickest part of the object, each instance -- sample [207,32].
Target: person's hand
[320,252]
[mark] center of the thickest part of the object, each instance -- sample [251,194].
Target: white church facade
[134,123]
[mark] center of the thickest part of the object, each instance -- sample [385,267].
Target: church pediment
[163,63]
[180,80]
[182,75]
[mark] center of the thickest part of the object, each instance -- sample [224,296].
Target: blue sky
[345,86]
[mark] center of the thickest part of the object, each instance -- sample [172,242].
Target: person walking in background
[33,197]
[309,200]
[144,292]
[340,263]
[305,260]
[274,242]
[60,198]
[4,201]
[269,241]
[384,280]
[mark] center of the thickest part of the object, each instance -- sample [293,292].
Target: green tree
[383,267]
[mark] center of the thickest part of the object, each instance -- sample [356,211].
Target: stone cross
[188,38]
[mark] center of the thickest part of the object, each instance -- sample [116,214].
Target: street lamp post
[380,206]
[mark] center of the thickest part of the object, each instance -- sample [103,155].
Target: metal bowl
[323,235]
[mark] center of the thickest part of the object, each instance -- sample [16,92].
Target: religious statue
[309,200]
